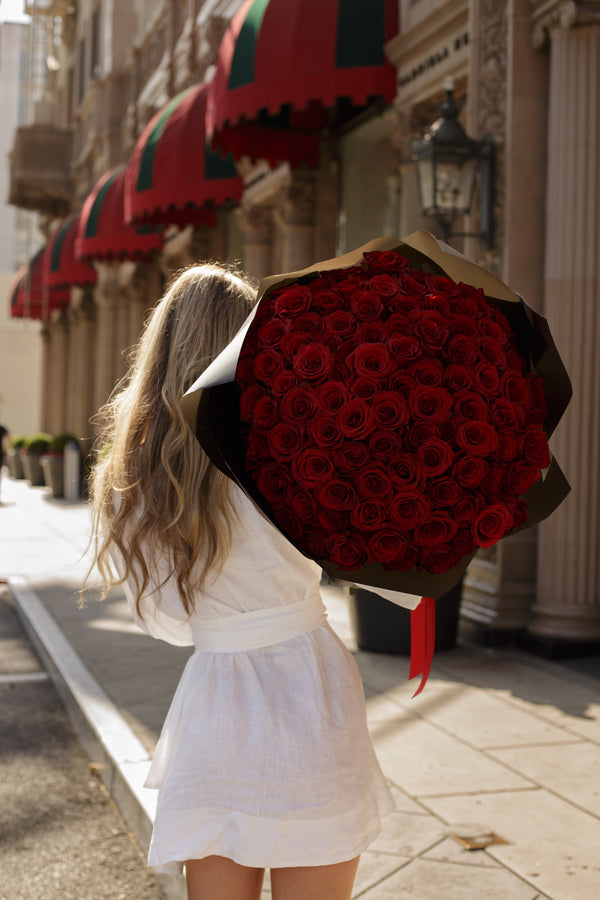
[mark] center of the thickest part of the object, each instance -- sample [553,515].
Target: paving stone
[551,844]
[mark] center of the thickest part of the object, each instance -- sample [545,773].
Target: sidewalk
[500,746]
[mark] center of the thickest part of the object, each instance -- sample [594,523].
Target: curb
[122,760]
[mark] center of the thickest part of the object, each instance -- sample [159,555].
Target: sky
[12,11]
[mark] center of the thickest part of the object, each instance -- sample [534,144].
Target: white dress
[264,756]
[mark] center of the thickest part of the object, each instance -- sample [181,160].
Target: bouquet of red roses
[389,411]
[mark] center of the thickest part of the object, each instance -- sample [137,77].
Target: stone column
[84,405]
[105,298]
[568,595]
[46,377]
[294,216]
[145,290]
[72,361]
[59,350]
[122,343]
[256,223]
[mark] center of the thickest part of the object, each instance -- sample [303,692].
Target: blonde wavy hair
[153,486]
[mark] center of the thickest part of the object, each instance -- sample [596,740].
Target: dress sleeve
[162,615]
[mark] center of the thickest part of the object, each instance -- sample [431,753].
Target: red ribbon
[422,641]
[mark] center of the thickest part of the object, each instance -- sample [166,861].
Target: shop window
[369,185]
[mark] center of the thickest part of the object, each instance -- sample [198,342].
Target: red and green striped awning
[284,64]
[34,298]
[102,233]
[173,176]
[16,293]
[62,266]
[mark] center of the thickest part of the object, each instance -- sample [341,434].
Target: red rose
[373,483]
[399,323]
[441,559]
[274,483]
[336,494]
[477,438]
[332,395]
[371,359]
[299,405]
[507,446]
[366,304]
[431,403]
[465,325]
[312,466]
[491,351]
[420,433]
[435,456]
[313,363]
[438,528]
[354,419]
[539,410]
[487,378]
[406,471]
[265,415]
[346,552]
[469,471]
[290,523]
[325,432]
[285,441]
[365,387]
[368,515]
[402,383]
[521,477]
[408,508]
[326,300]
[428,372]
[490,328]
[271,333]
[267,365]
[244,373]
[341,322]
[303,506]
[430,328]
[518,511]
[405,560]
[506,414]
[283,383]
[248,400]
[292,342]
[444,492]
[371,332]
[351,457]
[437,301]
[466,509]
[404,348]
[258,447]
[468,405]
[458,378]
[384,261]
[491,524]
[384,445]
[389,410]
[292,300]
[462,350]
[384,285]
[386,545]
[534,447]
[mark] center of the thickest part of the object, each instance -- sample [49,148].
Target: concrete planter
[382,627]
[32,469]
[15,464]
[53,469]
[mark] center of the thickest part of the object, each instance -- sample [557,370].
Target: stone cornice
[550,14]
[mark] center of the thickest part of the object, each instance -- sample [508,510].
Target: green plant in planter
[13,457]
[38,443]
[58,443]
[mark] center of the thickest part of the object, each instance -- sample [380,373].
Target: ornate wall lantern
[448,162]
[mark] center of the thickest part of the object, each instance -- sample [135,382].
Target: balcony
[39,169]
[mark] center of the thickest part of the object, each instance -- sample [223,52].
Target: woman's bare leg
[217,878]
[315,882]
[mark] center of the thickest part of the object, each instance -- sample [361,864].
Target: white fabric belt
[259,628]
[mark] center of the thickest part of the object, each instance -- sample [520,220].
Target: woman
[264,760]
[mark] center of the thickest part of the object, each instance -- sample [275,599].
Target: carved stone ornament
[296,200]
[563,14]
[256,223]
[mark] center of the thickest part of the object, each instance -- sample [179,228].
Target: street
[61,836]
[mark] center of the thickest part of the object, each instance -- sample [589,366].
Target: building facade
[322,173]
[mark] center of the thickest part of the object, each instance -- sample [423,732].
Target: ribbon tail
[422,641]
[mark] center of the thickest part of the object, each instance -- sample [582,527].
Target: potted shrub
[34,448]
[52,462]
[14,459]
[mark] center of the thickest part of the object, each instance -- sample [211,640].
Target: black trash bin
[381,626]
